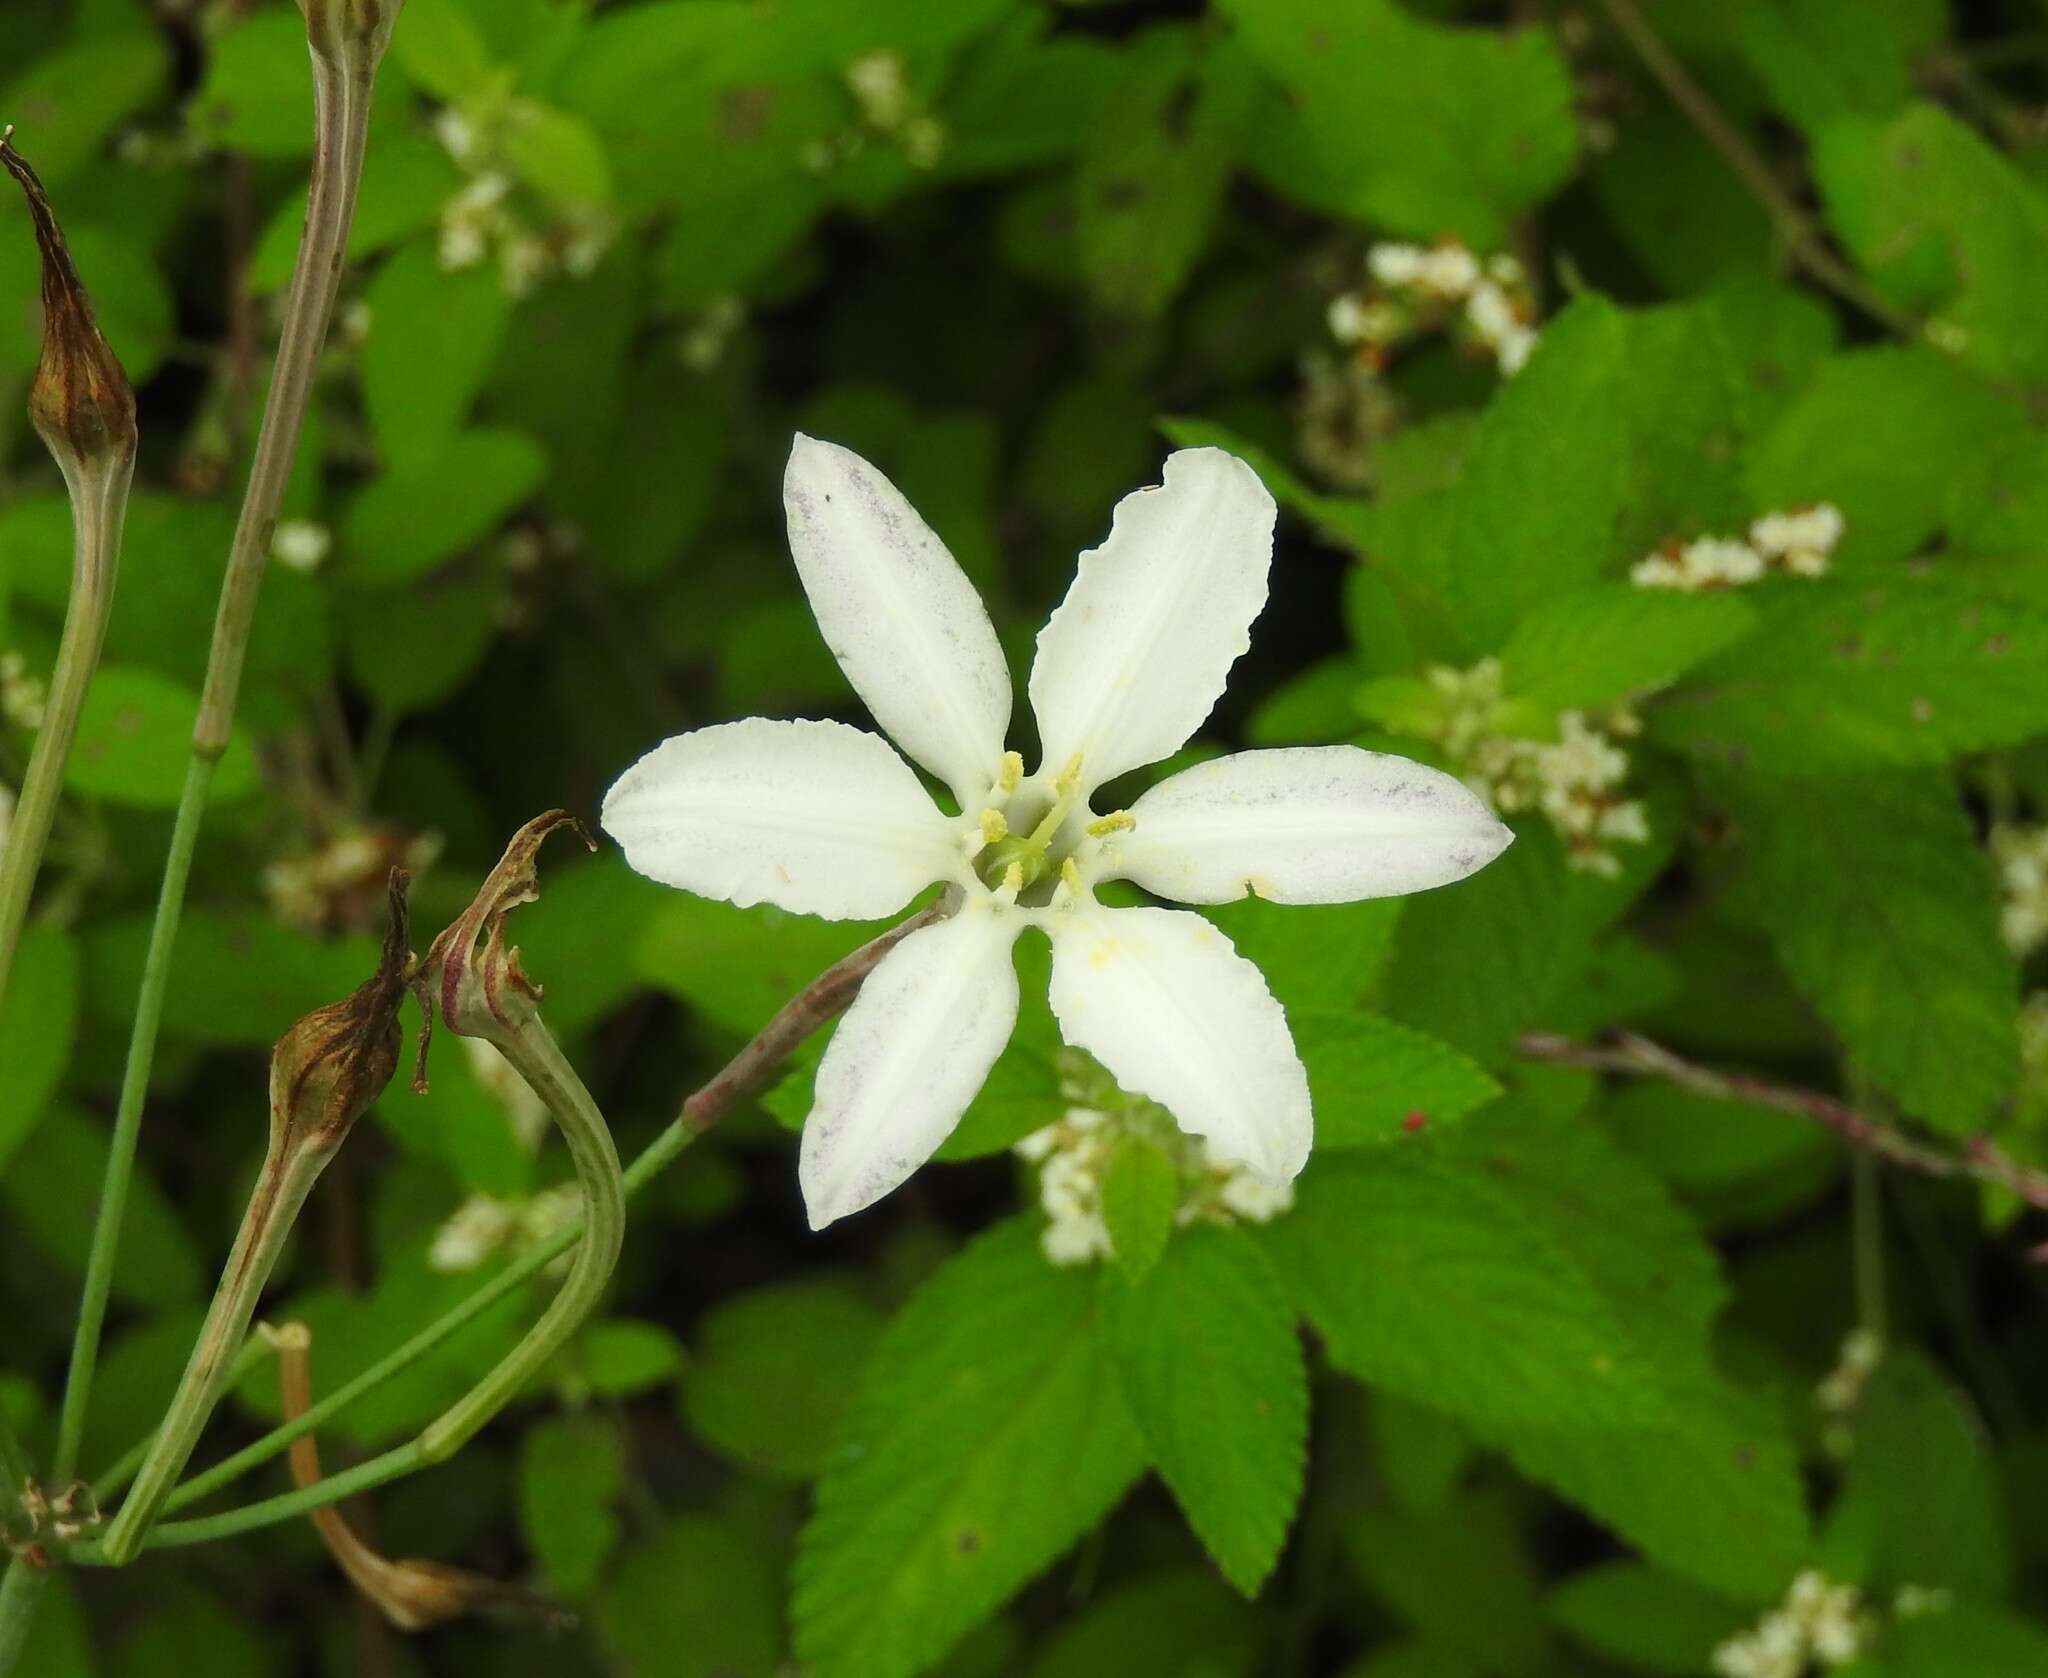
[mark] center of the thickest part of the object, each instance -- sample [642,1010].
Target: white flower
[301,544]
[821,818]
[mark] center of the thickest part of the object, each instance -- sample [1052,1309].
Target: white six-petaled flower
[825,819]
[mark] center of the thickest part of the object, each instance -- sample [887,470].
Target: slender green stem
[149,1009]
[532,1050]
[394,1464]
[341,119]
[273,1208]
[15,1468]
[98,510]
[21,1591]
[255,1349]
[822,999]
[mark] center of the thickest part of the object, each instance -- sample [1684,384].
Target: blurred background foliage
[1587,1394]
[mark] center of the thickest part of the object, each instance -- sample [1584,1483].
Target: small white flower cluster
[1415,289]
[1576,780]
[1798,543]
[301,545]
[1073,1153]
[1345,410]
[1819,1623]
[2022,857]
[22,694]
[485,1226]
[703,343]
[340,885]
[1841,1389]
[482,218]
[889,110]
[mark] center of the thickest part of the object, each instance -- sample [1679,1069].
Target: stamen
[1117,821]
[1069,780]
[1049,824]
[1070,876]
[1013,883]
[1012,772]
[994,826]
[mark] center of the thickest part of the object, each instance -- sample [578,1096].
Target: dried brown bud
[327,1069]
[81,401]
[470,974]
[351,29]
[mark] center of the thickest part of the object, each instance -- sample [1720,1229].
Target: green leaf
[50,1188]
[1329,958]
[135,738]
[443,50]
[1844,674]
[433,337]
[558,155]
[1460,1577]
[410,648]
[1165,1625]
[67,103]
[1602,644]
[1646,1617]
[1885,918]
[571,1469]
[1431,1283]
[1736,1163]
[1923,1493]
[407,177]
[38,1021]
[773,1371]
[257,96]
[1207,1355]
[1880,433]
[1965,1641]
[413,517]
[1370,1078]
[621,1358]
[1825,60]
[701,1600]
[235,978]
[1395,119]
[1140,1194]
[986,1435]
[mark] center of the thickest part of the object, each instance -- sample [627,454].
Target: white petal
[909,1056]
[1161,998]
[899,614]
[1310,824]
[815,817]
[1137,654]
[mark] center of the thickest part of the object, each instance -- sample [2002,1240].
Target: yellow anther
[1013,878]
[1117,821]
[1069,781]
[1070,876]
[993,826]
[1011,773]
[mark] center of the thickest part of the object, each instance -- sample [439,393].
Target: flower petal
[910,1055]
[1311,824]
[899,614]
[1137,654]
[1161,998]
[815,817]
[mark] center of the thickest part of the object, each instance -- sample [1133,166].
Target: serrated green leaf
[570,1471]
[986,1435]
[772,1371]
[1370,1079]
[1329,958]
[1430,1283]
[1207,1355]
[1606,643]
[1140,1194]
[1885,918]
[1846,674]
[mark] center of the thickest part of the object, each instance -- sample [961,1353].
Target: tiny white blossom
[1396,265]
[301,544]
[2021,853]
[479,1227]
[822,818]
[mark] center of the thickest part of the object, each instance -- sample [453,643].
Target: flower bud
[470,973]
[81,401]
[327,1069]
[350,29]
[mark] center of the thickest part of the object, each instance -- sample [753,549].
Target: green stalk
[343,77]
[15,1468]
[254,1350]
[21,1590]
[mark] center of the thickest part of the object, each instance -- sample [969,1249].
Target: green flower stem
[99,509]
[824,998]
[273,1208]
[342,85]
[21,1589]
[534,1054]
[255,1349]
[149,1009]
[15,1468]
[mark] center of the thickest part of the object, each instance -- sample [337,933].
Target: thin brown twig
[1809,248]
[1630,1056]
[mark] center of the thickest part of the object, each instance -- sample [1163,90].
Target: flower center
[1029,845]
